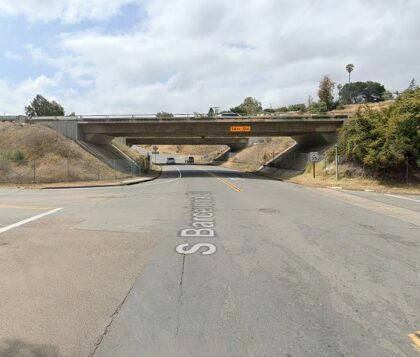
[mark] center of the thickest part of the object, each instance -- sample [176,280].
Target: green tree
[164,115]
[349,69]
[250,106]
[40,106]
[326,92]
[362,92]
[412,86]
[269,110]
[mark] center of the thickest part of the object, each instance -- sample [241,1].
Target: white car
[170,161]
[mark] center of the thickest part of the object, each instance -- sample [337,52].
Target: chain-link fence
[66,170]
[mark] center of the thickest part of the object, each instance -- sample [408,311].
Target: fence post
[34,172]
[336,162]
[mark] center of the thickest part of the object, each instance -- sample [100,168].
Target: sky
[184,56]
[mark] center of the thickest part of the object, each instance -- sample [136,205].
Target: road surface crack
[180,297]
[113,316]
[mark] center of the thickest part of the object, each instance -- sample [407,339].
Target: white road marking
[236,179]
[31,219]
[163,182]
[403,198]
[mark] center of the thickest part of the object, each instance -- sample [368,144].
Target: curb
[112,184]
[264,175]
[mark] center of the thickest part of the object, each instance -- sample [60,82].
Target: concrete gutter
[128,182]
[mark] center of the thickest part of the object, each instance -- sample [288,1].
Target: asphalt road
[286,270]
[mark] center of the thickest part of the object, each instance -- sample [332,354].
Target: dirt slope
[30,149]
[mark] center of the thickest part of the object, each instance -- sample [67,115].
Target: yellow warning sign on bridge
[236,129]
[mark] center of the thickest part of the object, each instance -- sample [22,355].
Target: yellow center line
[40,208]
[415,338]
[226,182]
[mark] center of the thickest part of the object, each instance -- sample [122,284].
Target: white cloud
[12,56]
[191,54]
[15,97]
[69,11]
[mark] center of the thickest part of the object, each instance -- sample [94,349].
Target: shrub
[317,108]
[383,140]
[297,107]
[12,155]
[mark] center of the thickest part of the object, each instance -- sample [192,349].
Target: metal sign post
[313,157]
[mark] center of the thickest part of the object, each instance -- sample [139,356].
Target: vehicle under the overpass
[96,132]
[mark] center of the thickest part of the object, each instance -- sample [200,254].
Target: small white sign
[313,156]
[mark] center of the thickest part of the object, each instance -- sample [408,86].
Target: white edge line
[403,198]
[163,182]
[31,219]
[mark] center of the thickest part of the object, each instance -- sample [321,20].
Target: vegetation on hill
[384,141]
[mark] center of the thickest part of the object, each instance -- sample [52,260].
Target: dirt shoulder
[358,184]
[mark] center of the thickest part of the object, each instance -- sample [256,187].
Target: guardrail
[187,117]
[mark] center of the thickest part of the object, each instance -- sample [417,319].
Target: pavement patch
[40,208]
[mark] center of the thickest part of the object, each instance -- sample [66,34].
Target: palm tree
[349,68]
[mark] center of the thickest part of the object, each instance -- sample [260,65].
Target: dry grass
[351,177]
[353,108]
[53,157]
[131,153]
[252,157]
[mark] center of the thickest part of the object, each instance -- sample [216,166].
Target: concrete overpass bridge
[94,133]
[184,129]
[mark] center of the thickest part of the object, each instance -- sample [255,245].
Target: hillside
[353,108]
[30,151]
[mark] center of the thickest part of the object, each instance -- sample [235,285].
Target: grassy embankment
[37,153]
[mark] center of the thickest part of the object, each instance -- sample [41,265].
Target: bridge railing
[153,117]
